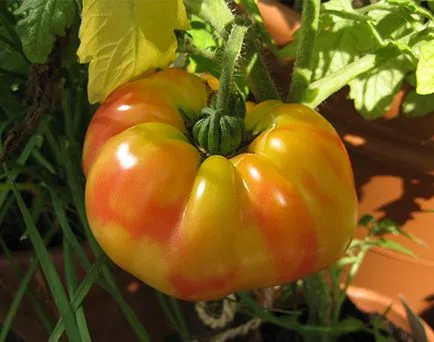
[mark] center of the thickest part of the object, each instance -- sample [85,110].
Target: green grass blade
[59,209]
[43,161]
[36,302]
[80,294]
[4,209]
[167,310]
[49,270]
[72,284]
[31,144]
[180,318]
[19,295]
[38,306]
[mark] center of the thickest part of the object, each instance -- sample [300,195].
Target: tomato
[200,227]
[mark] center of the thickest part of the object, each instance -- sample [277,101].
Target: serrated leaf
[374,91]
[339,45]
[339,5]
[420,39]
[425,70]
[416,105]
[413,7]
[123,39]
[42,21]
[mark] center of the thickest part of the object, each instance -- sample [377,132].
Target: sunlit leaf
[122,39]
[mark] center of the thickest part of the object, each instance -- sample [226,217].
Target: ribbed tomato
[199,227]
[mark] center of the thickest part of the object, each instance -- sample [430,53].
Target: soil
[269,332]
[273,333]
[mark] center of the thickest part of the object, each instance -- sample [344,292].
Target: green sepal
[218,134]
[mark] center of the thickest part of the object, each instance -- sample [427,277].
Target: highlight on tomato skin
[201,227]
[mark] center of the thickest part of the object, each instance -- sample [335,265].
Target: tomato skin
[201,229]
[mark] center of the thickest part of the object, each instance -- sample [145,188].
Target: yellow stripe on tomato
[316,163]
[282,217]
[206,234]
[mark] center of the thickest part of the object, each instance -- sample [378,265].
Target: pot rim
[361,294]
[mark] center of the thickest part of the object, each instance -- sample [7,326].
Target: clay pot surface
[393,164]
[372,302]
[284,21]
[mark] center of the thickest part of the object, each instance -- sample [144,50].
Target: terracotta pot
[372,302]
[284,20]
[393,162]
[104,317]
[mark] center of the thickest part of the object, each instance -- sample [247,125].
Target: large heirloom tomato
[199,227]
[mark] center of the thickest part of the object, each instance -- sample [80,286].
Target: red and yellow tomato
[199,228]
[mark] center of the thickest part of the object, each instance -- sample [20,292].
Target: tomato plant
[202,177]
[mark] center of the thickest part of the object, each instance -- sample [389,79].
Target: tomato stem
[231,54]
[303,66]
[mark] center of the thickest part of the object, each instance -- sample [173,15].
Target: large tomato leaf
[425,70]
[39,24]
[124,39]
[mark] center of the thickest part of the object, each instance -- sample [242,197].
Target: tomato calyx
[217,133]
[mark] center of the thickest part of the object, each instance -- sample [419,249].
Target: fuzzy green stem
[229,62]
[219,131]
[219,16]
[305,51]
[317,296]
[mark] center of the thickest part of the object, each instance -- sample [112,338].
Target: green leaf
[11,57]
[395,246]
[395,23]
[80,294]
[71,282]
[42,21]
[416,105]
[201,34]
[340,42]
[415,322]
[380,327]
[339,5]
[413,7]
[366,219]
[374,91]
[203,41]
[122,40]
[425,70]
